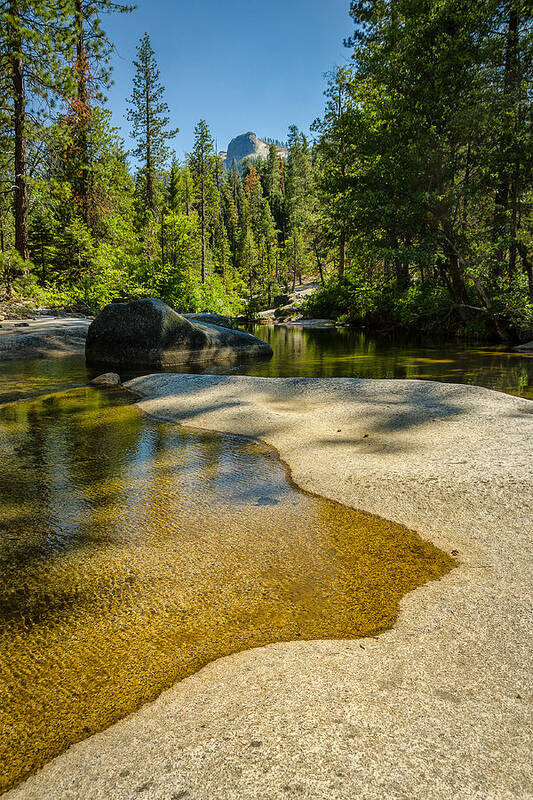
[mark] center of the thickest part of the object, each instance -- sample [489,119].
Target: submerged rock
[107,379]
[148,333]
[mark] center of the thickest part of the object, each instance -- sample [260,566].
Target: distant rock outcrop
[248,145]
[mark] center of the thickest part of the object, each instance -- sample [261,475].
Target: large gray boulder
[148,333]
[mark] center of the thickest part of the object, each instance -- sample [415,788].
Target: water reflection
[133,552]
[27,378]
[313,353]
[352,354]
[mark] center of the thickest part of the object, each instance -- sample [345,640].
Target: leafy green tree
[173,194]
[423,167]
[273,174]
[91,73]
[297,200]
[337,163]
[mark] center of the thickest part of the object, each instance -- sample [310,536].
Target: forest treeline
[411,204]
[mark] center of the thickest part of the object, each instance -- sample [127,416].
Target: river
[316,353]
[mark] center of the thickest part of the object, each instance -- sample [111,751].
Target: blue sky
[240,65]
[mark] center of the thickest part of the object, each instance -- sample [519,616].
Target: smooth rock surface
[527,347]
[42,337]
[148,333]
[437,708]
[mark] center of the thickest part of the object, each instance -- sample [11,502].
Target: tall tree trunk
[506,170]
[149,181]
[318,262]
[82,109]
[466,188]
[20,195]
[202,221]
[149,168]
[294,261]
[342,254]
[162,237]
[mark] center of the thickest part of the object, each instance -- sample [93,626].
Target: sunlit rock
[148,333]
[107,379]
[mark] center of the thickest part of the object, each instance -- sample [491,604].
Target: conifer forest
[409,201]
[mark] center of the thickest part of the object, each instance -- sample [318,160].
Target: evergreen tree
[336,160]
[273,183]
[297,200]
[91,71]
[424,167]
[201,163]
[35,44]
[173,191]
[149,117]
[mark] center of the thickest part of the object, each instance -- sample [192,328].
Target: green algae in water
[134,552]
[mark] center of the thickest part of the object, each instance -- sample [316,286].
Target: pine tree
[173,191]
[298,190]
[273,183]
[91,72]
[35,42]
[336,161]
[148,115]
[201,162]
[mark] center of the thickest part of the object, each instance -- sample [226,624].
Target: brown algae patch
[134,552]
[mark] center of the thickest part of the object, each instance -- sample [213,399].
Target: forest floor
[437,707]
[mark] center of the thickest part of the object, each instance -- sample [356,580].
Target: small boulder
[107,379]
[149,334]
[525,348]
[284,312]
[281,300]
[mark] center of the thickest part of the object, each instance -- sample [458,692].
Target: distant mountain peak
[249,145]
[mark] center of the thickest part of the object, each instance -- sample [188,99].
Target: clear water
[134,552]
[341,352]
[315,353]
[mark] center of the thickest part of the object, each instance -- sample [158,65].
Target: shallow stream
[134,552]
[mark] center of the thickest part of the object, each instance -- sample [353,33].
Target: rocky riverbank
[438,706]
[42,337]
[54,335]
